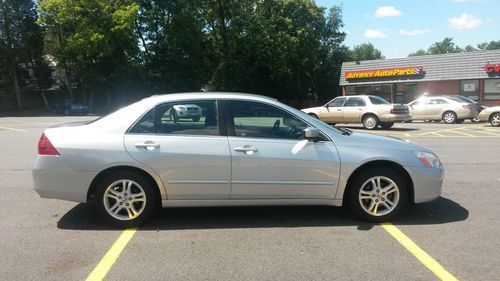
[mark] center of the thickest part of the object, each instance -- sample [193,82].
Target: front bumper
[53,179]
[427,183]
[484,116]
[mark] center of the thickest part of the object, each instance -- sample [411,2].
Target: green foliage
[492,45]
[448,46]
[365,51]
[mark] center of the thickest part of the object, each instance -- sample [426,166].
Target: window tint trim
[222,132]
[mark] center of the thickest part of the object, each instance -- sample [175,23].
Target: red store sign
[491,68]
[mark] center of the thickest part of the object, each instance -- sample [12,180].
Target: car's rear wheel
[386,125]
[313,115]
[449,117]
[370,122]
[495,119]
[125,199]
[377,195]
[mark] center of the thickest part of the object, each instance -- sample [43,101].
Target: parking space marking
[420,254]
[14,129]
[483,131]
[111,256]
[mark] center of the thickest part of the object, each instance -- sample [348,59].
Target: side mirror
[312,134]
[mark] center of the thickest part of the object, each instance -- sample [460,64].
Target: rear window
[377,100]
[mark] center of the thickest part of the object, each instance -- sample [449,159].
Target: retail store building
[473,74]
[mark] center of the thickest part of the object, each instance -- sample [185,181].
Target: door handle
[247,149]
[148,145]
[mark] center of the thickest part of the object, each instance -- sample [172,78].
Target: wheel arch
[369,113]
[379,164]
[108,171]
[491,115]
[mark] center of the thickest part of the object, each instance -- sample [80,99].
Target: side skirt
[249,202]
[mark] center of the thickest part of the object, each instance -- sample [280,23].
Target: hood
[367,140]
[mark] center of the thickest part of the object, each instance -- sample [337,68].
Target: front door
[417,109]
[353,109]
[181,141]
[271,160]
[332,112]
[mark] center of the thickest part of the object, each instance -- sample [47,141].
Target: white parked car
[450,109]
[371,111]
[245,150]
[185,111]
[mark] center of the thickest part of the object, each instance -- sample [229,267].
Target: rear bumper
[394,117]
[53,179]
[427,183]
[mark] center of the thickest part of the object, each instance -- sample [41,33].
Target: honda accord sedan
[245,150]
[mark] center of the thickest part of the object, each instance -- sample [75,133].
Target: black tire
[386,125]
[196,119]
[146,210]
[363,181]
[449,117]
[313,115]
[495,119]
[370,122]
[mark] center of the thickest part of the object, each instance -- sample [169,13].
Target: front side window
[180,118]
[337,102]
[354,101]
[257,120]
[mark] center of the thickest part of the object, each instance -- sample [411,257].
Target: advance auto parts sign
[384,73]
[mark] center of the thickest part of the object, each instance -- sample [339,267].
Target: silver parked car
[371,111]
[245,150]
[490,114]
[450,109]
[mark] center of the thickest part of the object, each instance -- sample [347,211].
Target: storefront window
[470,88]
[381,90]
[492,89]
[405,92]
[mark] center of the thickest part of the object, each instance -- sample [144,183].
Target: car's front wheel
[377,195]
[125,199]
[495,119]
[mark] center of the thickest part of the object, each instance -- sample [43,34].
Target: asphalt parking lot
[43,239]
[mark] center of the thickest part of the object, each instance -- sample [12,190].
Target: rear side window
[377,100]
[437,101]
[354,101]
[180,118]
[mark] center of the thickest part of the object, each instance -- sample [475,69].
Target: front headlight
[428,159]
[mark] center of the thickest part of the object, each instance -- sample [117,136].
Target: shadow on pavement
[85,217]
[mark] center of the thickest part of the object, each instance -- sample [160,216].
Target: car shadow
[440,211]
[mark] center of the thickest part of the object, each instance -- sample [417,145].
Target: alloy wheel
[495,120]
[379,196]
[124,200]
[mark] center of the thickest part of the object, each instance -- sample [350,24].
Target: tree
[444,47]
[17,18]
[91,38]
[365,51]
[492,45]
[419,52]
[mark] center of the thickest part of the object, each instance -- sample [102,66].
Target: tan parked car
[490,114]
[450,109]
[371,111]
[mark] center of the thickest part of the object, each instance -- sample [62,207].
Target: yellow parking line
[484,132]
[111,256]
[436,133]
[13,129]
[420,254]
[462,133]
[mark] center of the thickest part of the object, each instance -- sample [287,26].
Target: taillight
[45,147]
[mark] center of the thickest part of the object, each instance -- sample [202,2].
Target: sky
[398,28]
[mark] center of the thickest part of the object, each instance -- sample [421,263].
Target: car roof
[205,95]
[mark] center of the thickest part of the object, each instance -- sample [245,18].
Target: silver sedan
[244,150]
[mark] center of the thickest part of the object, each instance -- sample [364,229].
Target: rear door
[271,160]
[435,107]
[353,109]
[188,152]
